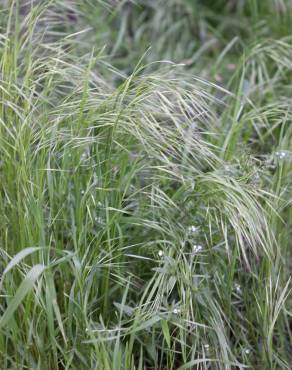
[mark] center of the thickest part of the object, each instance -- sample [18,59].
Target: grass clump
[145,206]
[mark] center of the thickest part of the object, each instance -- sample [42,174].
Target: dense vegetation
[145,184]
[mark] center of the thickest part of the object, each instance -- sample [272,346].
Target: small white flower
[281,154]
[97,219]
[207,347]
[160,253]
[192,229]
[238,288]
[247,351]
[197,248]
[82,192]
[176,311]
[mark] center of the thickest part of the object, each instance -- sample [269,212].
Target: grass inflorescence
[145,184]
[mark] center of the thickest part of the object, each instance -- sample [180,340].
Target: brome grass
[145,194]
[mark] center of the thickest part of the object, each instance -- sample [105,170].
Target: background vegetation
[145,184]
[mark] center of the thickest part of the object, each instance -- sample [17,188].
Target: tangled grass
[145,206]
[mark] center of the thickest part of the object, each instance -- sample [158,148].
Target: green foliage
[145,207]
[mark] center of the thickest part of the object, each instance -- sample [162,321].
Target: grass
[145,194]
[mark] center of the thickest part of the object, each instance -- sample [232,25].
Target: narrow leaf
[26,285]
